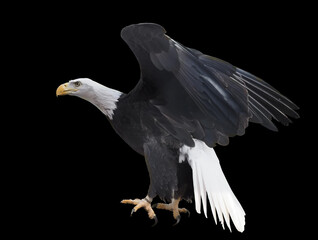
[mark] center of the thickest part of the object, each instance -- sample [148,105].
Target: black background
[79,169]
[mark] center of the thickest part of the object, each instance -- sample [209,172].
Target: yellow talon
[143,203]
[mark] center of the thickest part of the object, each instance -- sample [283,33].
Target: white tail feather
[208,179]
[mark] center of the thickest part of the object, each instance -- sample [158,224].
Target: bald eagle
[184,104]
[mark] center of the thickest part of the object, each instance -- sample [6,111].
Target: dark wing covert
[200,96]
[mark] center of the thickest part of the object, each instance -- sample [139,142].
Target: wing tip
[271,100]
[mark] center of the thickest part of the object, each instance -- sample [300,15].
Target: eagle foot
[142,203]
[173,207]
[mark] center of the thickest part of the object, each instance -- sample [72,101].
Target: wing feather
[200,96]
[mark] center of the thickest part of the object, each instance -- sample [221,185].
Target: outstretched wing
[200,96]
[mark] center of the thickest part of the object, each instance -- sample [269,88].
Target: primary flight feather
[184,104]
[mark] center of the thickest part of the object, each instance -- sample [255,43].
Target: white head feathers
[104,98]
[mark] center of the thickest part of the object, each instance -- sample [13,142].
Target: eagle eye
[77,84]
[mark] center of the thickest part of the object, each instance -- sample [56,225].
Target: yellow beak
[64,89]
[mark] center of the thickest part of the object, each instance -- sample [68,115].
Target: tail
[208,178]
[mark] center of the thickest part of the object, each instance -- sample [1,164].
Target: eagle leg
[173,207]
[143,203]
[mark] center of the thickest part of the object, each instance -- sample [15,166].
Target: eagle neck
[105,99]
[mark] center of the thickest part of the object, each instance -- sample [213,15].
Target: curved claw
[154,205]
[188,212]
[156,221]
[132,212]
[154,218]
[178,220]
